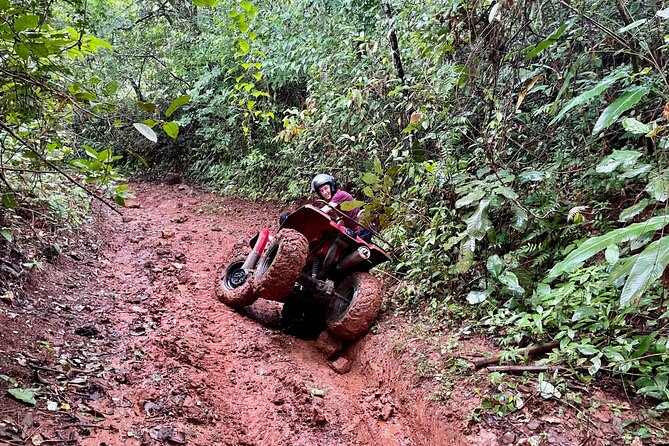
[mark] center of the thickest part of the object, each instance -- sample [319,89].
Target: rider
[325,186]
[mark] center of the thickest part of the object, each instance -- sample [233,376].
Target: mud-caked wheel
[352,314]
[280,265]
[234,286]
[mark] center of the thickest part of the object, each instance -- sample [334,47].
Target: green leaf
[8,379]
[9,201]
[25,395]
[623,158]
[110,88]
[172,129]
[638,128]
[612,254]
[645,344]
[532,175]
[550,40]
[521,218]
[632,211]
[370,178]
[639,169]
[150,122]
[648,267]
[24,22]
[589,95]
[469,198]
[597,244]
[583,312]
[506,192]
[479,223]
[621,269]
[611,113]
[4,5]
[147,106]
[476,297]
[178,102]
[350,205]
[494,265]
[146,131]
[658,187]
[632,25]
[7,234]
[22,50]
[511,281]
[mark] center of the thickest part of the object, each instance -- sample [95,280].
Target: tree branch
[56,168]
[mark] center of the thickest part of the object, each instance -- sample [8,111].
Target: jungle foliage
[514,152]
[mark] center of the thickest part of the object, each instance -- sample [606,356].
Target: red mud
[157,359]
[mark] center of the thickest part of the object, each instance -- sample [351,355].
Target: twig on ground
[529,351]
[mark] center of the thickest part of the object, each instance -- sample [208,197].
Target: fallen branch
[525,368]
[528,351]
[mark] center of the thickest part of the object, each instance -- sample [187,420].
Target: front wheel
[354,308]
[280,265]
[234,285]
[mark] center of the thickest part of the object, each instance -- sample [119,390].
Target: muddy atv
[312,261]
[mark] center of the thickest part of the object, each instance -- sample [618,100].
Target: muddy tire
[352,318]
[280,265]
[234,287]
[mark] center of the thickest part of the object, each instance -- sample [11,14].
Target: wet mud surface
[141,352]
[122,342]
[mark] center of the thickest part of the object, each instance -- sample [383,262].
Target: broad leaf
[589,95]
[25,395]
[146,131]
[648,267]
[147,106]
[611,113]
[612,254]
[511,281]
[172,129]
[506,192]
[350,205]
[479,223]
[178,102]
[26,22]
[494,265]
[624,158]
[658,187]
[476,297]
[110,88]
[597,244]
[632,211]
[520,218]
[639,169]
[583,312]
[469,198]
[636,127]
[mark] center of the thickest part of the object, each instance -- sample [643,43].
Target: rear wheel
[280,265]
[234,286]
[350,315]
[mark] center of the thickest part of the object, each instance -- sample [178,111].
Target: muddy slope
[160,360]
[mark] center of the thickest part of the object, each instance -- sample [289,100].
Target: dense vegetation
[514,153]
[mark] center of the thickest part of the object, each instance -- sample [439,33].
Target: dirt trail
[183,367]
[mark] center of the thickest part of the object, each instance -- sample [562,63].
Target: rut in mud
[160,360]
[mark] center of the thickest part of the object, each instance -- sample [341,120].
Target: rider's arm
[329,207]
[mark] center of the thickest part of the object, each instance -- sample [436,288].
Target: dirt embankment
[128,347]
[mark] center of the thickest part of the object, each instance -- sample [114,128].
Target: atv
[312,260]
